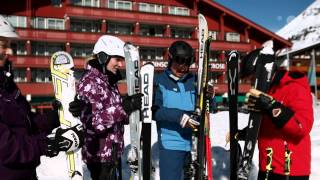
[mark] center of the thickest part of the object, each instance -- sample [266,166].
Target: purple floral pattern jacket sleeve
[105,125]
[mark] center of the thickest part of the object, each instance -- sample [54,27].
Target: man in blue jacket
[174,102]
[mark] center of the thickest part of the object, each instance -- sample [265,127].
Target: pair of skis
[201,161]
[139,80]
[264,70]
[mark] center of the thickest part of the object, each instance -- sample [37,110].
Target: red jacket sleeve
[301,122]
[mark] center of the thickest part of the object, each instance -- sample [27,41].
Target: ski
[264,70]
[202,105]
[146,74]
[64,88]
[232,73]
[133,87]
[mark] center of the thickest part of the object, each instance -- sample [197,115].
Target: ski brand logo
[202,43]
[136,75]
[146,102]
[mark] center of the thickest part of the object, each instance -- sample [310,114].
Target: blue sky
[271,14]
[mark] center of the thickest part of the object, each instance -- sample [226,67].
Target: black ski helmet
[181,53]
[255,58]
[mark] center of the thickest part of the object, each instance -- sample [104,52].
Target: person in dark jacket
[22,133]
[173,106]
[286,124]
[102,110]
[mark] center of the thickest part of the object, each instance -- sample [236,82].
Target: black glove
[132,103]
[70,139]
[76,107]
[259,101]
[53,115]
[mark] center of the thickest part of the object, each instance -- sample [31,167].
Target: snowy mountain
[304,30]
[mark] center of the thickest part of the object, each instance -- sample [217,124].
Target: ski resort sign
[212,66]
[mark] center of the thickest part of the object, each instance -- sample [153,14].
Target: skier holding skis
[22,132]
[103,112]
[284,140]
[174,104]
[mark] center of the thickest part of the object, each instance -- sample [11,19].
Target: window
[120,28]
[152,8]
[90,3]
[18,48]
[151,53]
[81,50]
[116,4]
[179,32]
[20,75]
[46,49]
[40,75]
[214,56]
[232,37]
[179,11]
[151,30]
[56,3]
[213,34]
[18,21]
[48,23]
[77,25]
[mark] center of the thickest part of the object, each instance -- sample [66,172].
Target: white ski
[147,73]
[64,87]
[133,86]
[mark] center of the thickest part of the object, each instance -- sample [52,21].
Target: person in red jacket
[286,124]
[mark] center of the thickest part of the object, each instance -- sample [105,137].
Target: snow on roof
[304,30]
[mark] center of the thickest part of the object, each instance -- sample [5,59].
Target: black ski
[264,70]
[146,74]
[232,72]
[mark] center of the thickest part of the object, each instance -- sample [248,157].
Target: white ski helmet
[6,29]
[110,45]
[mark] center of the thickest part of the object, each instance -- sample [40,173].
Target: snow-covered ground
[55,168]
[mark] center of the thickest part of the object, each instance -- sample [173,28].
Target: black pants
[105,171]
[272,176]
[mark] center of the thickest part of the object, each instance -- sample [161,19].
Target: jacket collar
[173,77]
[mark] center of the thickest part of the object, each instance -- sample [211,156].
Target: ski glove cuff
[259,101]
[189,121]
[132,103]
[70,139]
[280,114]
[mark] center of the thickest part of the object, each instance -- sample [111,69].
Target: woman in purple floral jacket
[103,112]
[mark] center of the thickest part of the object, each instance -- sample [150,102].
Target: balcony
[84,37]
[133,16]
[39,61]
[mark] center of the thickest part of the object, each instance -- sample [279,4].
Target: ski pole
[269,162]
[287,160]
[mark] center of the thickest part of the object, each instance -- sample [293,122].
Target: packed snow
[56,168]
